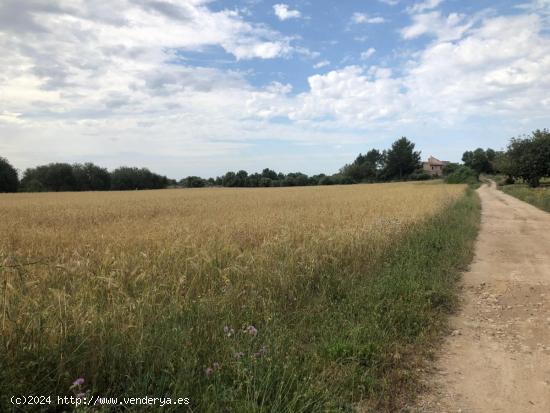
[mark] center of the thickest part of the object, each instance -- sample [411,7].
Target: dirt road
[498,356]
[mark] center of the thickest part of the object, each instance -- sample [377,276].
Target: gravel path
[498,357]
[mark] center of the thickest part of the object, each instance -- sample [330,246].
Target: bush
[450,168]
[326,180]
[509,181]
[420,176]
[462,175]
[9,182]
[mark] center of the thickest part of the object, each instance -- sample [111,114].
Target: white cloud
[390,2]
[423,6]
[501,68]
[350,96]
[360,18]
[367,54]
[284,13]
[434,23]
[78,77]
[536,6]
[321,64]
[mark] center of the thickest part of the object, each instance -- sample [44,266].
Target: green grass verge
[539,197]
[334,342]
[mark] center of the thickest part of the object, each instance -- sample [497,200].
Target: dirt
[497,358]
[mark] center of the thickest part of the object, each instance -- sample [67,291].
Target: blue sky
[197,87]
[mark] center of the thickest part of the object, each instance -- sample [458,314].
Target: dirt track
[498,356]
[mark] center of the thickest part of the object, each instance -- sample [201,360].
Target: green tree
[450,168]
[193,182]
[9,181]
[229,179]
[268,173]
[365,168]
[90,177]
[479,160]
[126,178]
[529,158]
[52,177]
[401,160]
[241,178]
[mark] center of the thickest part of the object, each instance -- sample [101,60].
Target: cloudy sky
[201,87]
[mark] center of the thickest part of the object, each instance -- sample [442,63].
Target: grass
[287,300]
[539,197]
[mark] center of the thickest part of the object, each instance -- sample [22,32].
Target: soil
[497,358]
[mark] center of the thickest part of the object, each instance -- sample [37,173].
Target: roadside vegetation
[522,170]
[288,300]
[526,160]
[539,197]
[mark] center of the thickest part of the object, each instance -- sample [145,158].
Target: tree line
[526,158]
[400,162]
[56,177]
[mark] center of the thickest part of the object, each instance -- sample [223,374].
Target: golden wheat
[85,275]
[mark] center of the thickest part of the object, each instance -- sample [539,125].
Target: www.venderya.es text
[99,401]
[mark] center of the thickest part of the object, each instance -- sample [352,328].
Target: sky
[200,87]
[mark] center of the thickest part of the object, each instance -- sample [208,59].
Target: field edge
[417,290]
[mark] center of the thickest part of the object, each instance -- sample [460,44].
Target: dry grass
[132,290]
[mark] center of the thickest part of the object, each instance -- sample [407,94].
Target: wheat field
[230,297]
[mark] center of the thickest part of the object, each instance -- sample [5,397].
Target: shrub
[420,176]
[450,168]
[462,175]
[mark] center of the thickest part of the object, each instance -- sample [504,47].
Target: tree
[479,160]
[365,167]
[529,158]
[268,173]
[90,177]
[9,181]
[450,168]
[295,179]
[229,179]
[502,164]
[253,180]
[265,182]
[401,159]
[125,178]
[52,177]
[193,182]
[241,178]
[491,154]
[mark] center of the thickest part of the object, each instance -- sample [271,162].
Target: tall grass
[287,300]
[539,197]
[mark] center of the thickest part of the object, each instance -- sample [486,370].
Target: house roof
[435,162]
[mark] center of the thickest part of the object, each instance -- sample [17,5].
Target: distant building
[434,166]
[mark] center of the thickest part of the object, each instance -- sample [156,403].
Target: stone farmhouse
[434,166]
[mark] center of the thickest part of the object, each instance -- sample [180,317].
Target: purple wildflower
[80,395]
[228,331]
[208,371]
[78,382]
